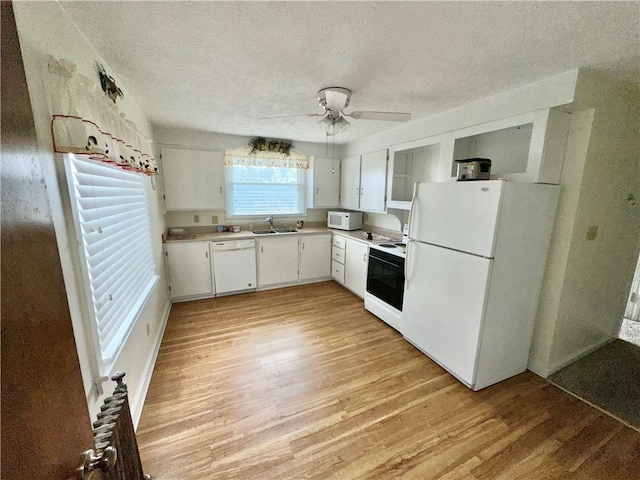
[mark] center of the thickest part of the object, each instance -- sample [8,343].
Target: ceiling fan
[333,100]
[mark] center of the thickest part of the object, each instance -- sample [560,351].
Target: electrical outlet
[196,218]
[214,219]
[366,218]
[148,330]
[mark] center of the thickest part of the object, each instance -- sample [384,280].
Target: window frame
[229,190]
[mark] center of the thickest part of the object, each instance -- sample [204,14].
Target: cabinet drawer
[339,241]
[337,271]
[337,254]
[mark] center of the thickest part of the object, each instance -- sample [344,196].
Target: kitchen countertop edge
[245,235]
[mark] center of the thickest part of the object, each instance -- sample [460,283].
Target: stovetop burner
[393,248]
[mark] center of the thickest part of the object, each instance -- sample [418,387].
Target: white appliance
[344,220]
[385,282]
[474,266]
[234,265]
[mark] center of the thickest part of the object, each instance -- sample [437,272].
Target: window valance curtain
[243,156]
[85,121]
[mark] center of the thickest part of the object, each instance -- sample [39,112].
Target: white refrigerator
[475,261]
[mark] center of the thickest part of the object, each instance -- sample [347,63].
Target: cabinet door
[373,181]
[315,256]
[324,183]
[193,179]
[277,260]
[355,269]
[189,269]
[350,183]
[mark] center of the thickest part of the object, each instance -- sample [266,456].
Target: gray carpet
[608,378]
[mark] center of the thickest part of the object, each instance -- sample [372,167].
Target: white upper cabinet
[409,164]
[350,183]
[323,187]
[364,181]
[193,179]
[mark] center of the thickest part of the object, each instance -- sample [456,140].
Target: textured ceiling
[221,66]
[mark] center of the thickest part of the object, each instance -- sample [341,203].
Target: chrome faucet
[270,220]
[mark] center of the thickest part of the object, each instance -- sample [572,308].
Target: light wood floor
[303,382]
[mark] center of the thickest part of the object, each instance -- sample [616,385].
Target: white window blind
[264,190]
[113,227]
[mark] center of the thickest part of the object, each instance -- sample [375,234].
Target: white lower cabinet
[189,269]
[281,260]
[315,252]
[355,266]
[338,257]
[277,260]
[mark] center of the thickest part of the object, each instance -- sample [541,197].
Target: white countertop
[247,234]
[244,234]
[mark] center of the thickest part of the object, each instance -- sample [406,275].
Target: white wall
[586,290]
[173,136]
[571,180]
[44,29]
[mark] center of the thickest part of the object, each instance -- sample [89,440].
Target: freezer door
[444,303]
[458,215]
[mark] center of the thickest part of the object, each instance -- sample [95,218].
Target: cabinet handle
[317,190]
[362,191]
[303,245]
[357,190]
[206,254]
[261,248]
[365,257]
[220,190]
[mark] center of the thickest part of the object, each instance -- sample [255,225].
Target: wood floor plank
[303,382]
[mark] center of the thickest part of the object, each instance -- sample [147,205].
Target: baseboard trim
[579,355]
[136,411]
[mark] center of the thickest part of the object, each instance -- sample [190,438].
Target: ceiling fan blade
[336,99]
[289,116]
[384,116]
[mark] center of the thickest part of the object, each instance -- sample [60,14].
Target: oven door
[385,277]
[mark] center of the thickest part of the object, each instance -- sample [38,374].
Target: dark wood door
[45,420]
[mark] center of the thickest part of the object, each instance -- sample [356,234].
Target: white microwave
[344,220]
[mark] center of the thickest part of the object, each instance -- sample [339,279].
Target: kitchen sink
[275,230]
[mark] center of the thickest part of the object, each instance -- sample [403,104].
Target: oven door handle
[378,259]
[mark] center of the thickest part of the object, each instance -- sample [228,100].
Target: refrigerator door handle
[406,264]
[413,205]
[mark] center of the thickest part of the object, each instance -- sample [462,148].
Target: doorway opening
[609,378]
[630,328]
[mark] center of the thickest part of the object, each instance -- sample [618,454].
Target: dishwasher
[234,265]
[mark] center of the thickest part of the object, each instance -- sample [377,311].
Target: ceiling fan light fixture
[341,125]
[332,127]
